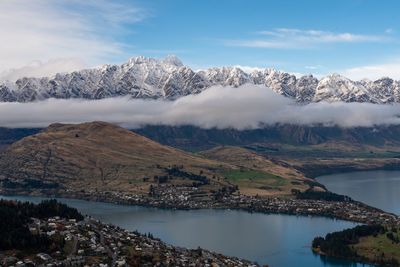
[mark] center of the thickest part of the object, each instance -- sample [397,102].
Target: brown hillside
[98,155]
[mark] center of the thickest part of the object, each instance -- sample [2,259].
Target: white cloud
[284,38]
[244,107]
[43,69]
[313,67]
[374,72]
[389,31]
[47,31]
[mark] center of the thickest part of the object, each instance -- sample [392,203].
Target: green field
[253,178]
[379,246]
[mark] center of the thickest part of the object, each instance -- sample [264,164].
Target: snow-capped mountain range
[168,78]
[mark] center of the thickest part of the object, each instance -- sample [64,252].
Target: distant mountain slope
[9,135]
[191,138]
[168,78]
[195,139]
[312,150]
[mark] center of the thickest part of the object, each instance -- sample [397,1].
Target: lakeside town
[92,243]
[186,197]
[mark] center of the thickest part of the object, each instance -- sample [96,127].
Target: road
[74,246]
[112,254]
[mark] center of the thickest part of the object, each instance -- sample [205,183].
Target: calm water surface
[277,240]
[380,189]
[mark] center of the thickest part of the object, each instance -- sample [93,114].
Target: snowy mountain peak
[173,60]
[168,78]
[336,76]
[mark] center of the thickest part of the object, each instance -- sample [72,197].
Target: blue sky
[207,33]
[358,38]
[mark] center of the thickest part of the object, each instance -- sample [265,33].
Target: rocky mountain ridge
[170,79]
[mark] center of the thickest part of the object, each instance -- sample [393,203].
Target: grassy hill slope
[257,174]
[100,156]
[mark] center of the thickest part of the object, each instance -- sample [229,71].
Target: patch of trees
[43,210]
[314,184]
[161,179]
[225,191]
[338,244]
[152,191]
[29,184]
[51,208]
[14,232]
[320,195]
[178,171]
[15,217]
[392,237]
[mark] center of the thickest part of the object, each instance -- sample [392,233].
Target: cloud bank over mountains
[244,107]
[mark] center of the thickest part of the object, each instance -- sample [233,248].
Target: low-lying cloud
[245,107]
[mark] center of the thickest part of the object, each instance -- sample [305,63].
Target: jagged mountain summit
[168,78]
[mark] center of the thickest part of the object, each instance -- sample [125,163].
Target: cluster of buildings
[185,197]
[345,210]
[92,243]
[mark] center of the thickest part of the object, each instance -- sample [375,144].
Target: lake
[380,189]
[277,240]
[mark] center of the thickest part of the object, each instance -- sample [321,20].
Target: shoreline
[225,206]
[83,240]
[355,260]
[352,211]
